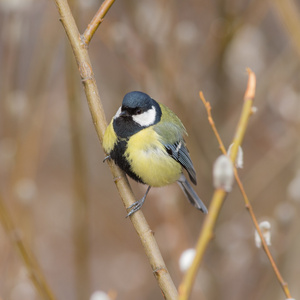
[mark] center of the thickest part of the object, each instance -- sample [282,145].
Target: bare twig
[96,21]
[141,226]
[219,194]
[32,266]
[248,95]
[248,205]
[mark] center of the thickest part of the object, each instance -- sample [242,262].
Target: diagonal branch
[96,21]
[88,80]
[219,194]
[249,95]
[248,205]
[32,266]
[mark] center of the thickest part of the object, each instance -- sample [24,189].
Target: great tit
[145,139]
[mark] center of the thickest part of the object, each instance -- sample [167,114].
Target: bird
[146,140]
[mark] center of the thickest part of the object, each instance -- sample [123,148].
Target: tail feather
[191,194]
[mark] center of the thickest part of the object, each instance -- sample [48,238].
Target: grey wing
[180,153]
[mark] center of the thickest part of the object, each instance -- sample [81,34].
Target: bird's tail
[191,194]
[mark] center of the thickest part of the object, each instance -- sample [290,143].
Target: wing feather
[180,153]
[171,131]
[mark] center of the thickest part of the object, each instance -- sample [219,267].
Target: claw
[135,207]
[106,157]
[138,204]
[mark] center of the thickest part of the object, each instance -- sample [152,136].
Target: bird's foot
[135,207]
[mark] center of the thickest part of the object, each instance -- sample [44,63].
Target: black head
[138,111]
[137,102]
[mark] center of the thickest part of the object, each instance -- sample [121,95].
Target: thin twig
[219,194]
[96,21]
[248,95]
[32,266]
[140,224]
[211,122]
[248,205]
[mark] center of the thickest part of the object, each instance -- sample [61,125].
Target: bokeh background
[62,197]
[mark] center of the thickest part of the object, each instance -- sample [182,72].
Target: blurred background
[61,196]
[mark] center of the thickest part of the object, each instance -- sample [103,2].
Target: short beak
[124,113]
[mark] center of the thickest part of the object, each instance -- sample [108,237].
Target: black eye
[138,111]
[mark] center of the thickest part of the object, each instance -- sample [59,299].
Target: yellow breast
[149,159]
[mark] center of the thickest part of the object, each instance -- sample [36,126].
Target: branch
[140,224]
[250,93]
[96,21]
[283,284]
[30,262]
[219,194]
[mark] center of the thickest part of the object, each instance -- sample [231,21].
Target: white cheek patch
[117,113]
[147,118]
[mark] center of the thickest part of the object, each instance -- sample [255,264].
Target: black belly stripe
[117,154]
